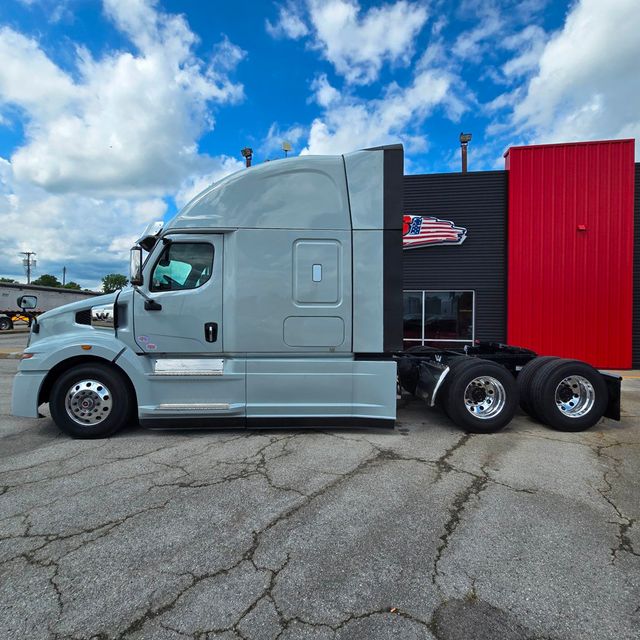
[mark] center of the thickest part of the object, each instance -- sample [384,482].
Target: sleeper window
[183,265]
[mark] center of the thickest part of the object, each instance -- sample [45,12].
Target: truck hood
[81,305]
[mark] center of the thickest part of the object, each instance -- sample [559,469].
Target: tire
[479,396]
[551,400]
[91,401]
[524,380]
[5,323]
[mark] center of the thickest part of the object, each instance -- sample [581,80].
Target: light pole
[465,139]
[247,154]
[286,147]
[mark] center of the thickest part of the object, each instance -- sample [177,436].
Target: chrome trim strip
[218,406]
[188,367]
[438,385]
[186,373]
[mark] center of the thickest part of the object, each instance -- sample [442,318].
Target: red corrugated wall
[570,250]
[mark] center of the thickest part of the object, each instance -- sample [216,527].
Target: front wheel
[5,323]
[480,396]
[90,401]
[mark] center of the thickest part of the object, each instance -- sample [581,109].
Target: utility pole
[64,276]
[29,263]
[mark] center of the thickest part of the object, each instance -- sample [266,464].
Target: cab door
[179,328]
[183,280]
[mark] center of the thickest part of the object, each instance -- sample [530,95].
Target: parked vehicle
[47,298]
[274,298]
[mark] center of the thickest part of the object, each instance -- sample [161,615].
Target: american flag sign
[420,231]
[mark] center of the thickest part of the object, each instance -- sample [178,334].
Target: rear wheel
[90,401]
[524,380]
[480,396]
[568,395]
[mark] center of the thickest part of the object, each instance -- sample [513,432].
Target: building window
[438,318]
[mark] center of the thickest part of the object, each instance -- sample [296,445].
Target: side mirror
[135,266]
[27,302]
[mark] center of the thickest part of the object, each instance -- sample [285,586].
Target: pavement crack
[152,613]
[442,463]
[623,521]
[458,506]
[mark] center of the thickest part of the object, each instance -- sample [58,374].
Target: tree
[9,280]
[114,281]
[72,285]
[47,280]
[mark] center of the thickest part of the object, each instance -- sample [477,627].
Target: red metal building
[570,250]
[540,255]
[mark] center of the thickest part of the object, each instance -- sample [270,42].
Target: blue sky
[115,112]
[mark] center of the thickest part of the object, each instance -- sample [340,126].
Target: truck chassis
[480,387]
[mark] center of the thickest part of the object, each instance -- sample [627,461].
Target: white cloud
[471,44]
[356,42]
[76,231]
[105,143]
[587,85]
[350,123]
[214,170]
[290,23]
[529,45]
[130,122]
[325,94]
[29,79]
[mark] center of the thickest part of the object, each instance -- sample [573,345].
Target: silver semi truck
[274,298]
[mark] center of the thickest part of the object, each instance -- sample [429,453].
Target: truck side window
[182,265]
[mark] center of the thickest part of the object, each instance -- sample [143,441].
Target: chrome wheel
[88,402]
[575,396]
[484,397]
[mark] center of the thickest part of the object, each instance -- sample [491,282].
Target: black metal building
[457,292]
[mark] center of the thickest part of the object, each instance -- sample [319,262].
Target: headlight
[102,316]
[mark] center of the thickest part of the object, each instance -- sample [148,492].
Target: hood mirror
[27,302]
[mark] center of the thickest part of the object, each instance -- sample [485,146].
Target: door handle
[211,331]
[152,305]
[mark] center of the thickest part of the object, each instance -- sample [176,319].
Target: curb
[12,355]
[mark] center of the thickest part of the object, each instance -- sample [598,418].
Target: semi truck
[47,298]
[274,299]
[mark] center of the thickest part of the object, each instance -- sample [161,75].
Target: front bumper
[26,387]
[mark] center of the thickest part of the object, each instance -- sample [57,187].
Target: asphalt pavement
[421,532]
[13,342]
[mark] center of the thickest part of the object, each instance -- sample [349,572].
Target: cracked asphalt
[418,533]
